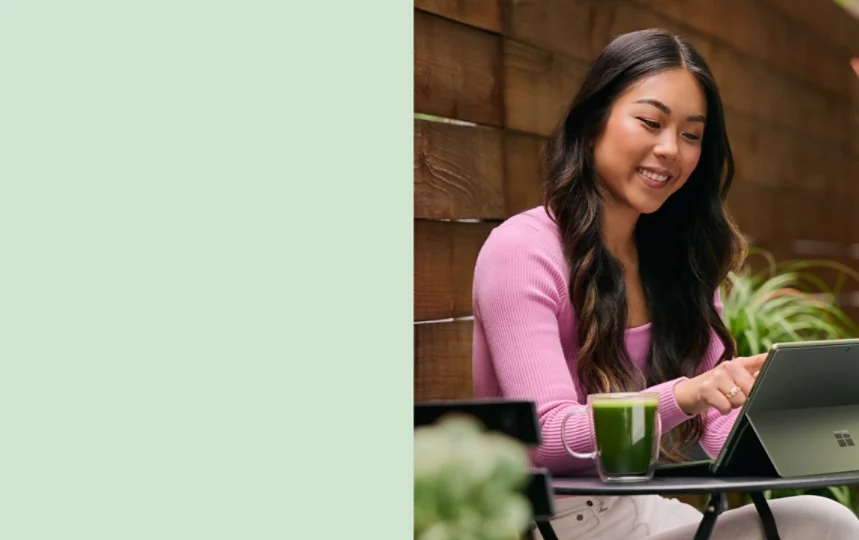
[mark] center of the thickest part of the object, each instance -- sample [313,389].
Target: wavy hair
[686,248]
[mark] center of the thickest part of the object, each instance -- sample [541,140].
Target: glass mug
[626,433]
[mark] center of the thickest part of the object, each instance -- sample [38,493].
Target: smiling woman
[611,286]
[651,141]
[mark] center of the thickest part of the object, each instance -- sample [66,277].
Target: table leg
[714,508]
[767,519]
[546,530]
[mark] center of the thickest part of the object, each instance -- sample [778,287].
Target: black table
[717,488]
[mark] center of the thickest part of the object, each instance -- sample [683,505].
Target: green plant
[785,302]
[788,302]
[469,483]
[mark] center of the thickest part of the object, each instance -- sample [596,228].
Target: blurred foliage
[469,483]
[785,302]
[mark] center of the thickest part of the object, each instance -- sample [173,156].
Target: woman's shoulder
[534,227]
[527,238]
[522,259]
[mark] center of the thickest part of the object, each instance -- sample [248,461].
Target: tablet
[799,419]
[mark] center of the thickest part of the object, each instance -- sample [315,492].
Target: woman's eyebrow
[664,108]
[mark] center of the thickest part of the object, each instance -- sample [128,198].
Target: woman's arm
[519,290]
[717,426]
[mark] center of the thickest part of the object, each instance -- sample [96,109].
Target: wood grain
[754,30]
[751,205]
[445,254]
[579,29]
[828,21]
[759,150]
[443,361]
[538,87]
[808,215]
[767,155]
[753,89]
[523,185]
[852,216]
[457,71]
[562,26]
[852,145]
[459,171]
[484,14]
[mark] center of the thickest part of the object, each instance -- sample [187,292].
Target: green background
[206,270]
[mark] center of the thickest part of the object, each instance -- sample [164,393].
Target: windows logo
[843,438]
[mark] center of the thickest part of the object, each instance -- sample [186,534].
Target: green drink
[626,432]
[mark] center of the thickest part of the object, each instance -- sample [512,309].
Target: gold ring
[734,391]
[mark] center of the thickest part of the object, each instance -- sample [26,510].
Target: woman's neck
[618,231]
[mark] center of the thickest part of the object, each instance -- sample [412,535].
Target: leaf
[841,494]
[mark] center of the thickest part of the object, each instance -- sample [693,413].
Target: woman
[612,285]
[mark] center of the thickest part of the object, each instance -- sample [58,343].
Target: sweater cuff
[669,410]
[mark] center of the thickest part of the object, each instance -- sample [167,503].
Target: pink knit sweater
[525,345]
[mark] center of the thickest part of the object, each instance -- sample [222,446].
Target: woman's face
[652,140]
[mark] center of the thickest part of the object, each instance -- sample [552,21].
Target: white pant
[653,517]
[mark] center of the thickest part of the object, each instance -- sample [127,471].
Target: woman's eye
[649,123]
[692,137]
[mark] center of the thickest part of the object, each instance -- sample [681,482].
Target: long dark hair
[686,248]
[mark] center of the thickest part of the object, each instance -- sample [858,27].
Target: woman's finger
[714,397]
[741,378]
[734,394]
[752,363]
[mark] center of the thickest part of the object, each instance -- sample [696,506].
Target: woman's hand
[724,387]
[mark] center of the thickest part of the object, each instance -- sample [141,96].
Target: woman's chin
[647,206]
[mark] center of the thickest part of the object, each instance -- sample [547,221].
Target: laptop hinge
[747,457]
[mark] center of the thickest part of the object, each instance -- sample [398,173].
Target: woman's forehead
[676,88]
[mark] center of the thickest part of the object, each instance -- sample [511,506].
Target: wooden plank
[459,171]
[754,30]
[852,233]
[853,130]
[826,19]
[760,151]
[808,216]
[767,155]
[484,14]
[756,90]
[841,179]
[457,70]
[538,87]
[789,209]
[554,25]
[819,219]
[445,254]
[443,361]
[838,211]
[524,185]
[751,205]
[579,29]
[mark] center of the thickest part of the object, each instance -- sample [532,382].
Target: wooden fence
[502,71]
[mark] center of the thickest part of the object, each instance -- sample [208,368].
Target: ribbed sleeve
[716,426]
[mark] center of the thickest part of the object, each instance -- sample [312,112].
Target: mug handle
[590,455]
